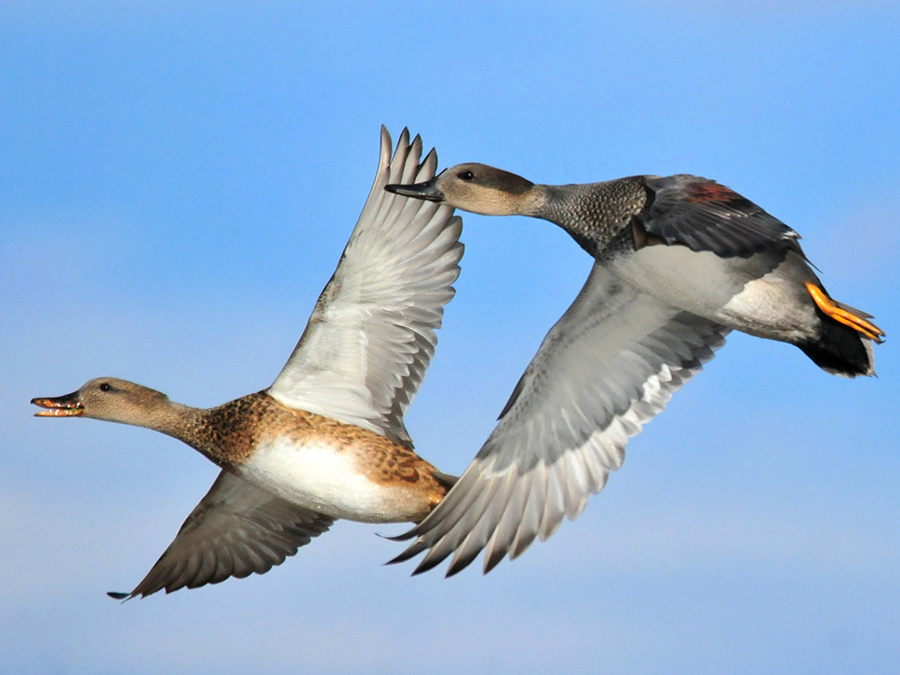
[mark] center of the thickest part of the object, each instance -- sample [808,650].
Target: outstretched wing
[706,216]
[371,335]
[610,364]
[235,530]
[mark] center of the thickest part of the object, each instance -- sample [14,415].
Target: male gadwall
[680,261]
[327,439]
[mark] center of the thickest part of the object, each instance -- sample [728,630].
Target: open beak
[61,406]
[426,190]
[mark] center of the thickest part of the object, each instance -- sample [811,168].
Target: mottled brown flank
[229,433]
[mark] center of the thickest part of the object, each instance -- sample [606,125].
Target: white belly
[725,290]
[696,282]
[319,477]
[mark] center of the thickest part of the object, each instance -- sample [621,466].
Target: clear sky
[177,181]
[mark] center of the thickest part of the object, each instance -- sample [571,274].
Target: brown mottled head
[477,188]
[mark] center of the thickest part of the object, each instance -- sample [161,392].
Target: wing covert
[707,216]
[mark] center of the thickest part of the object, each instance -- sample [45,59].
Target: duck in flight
[327,439]
[680,261]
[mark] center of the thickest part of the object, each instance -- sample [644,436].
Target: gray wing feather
[371,335]
[236,530]
[707,216]
[608,366]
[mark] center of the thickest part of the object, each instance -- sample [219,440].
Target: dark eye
[105,386]
[467,175]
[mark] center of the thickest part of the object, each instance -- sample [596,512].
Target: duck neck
[181,421]
[227,434]
[594,214]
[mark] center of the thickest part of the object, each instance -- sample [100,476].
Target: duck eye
[467,175]
[105,386]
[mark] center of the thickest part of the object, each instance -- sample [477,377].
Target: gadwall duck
[327,439]
[688,241]
[679,262]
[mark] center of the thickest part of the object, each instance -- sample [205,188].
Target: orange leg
[857,323]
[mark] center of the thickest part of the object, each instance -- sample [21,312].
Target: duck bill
[426,191]
[61,406]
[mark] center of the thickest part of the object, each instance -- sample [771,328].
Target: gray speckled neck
[594,214]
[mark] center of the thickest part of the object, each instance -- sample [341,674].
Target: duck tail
[844,346]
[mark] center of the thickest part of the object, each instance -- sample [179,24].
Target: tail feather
[840,350]
[845,314]
[861,314]
[844,345]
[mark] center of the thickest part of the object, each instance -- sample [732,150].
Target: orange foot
[849,317]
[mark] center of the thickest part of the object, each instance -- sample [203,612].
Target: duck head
[477,188]
[107,398]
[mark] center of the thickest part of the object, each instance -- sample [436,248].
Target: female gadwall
[680,261]
[327,439]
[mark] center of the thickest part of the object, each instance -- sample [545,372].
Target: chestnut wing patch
[706,216]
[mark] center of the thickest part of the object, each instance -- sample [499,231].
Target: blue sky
[176,185]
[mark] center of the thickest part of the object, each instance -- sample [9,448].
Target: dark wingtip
[411,552]
[459,565]
[426,565]
[118,596]
[403,536]
[491,561]
[403,557]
